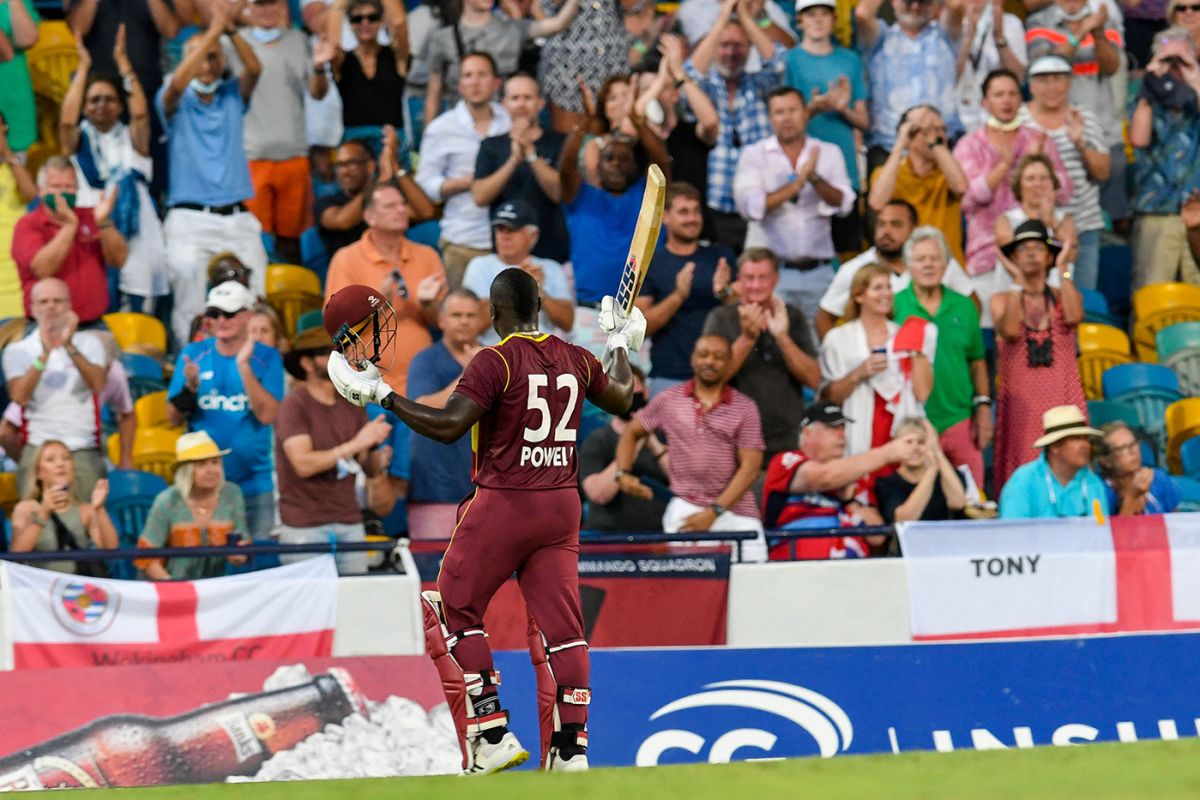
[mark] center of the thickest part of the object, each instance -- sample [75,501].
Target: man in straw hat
[1058,483]
[321,444]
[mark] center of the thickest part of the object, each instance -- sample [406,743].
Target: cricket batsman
[522,400]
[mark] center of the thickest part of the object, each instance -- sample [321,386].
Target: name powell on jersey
[546,455]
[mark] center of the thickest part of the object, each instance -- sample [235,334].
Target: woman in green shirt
[202,508]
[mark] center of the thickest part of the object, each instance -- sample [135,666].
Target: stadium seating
[137,333]
[130,495]
[312,253]
[10,493]
[1095,308]
[145,374]
[310,319]
[1100,347]
[1148,389]
[1179,348]
[1102,412]
[1189,488]
[151,411]
[293,290]
[1189,455]
[1183,423]
[153,450]
[1157,306]
[51,62]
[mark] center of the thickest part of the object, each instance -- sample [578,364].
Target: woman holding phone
[51,518]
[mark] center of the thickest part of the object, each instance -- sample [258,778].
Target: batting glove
[625,331]
[358,386]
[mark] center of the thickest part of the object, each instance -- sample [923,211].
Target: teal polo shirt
[959,342]
[1033,492]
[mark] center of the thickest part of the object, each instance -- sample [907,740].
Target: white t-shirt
[62,407]
[838,294]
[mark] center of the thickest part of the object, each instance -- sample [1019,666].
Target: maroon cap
[350,305]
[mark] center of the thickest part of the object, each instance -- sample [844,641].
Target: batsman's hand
[625,331]
[358,387]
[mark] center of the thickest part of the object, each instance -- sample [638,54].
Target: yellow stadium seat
[9,492]
[1100,347]
[1183,422]
[138,333]
[51,63]
[154,451]
[1157,306]
[151,412]
[292,290]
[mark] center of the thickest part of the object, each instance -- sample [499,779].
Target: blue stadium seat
[312,253]
[1101,412]
[1190,489]
[1190,454]
[145,374]
[428,233]
[1116,271]
[130,495]
[1178,347]
[1148,389]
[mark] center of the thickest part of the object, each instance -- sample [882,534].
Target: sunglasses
[215,313]
[358,19]
[351,162]
[99,99]
[1181,7]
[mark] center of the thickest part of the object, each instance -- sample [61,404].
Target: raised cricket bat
[645,237]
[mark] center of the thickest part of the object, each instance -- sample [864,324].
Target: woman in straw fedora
[202,508]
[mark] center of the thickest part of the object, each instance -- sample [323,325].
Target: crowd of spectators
[874,242]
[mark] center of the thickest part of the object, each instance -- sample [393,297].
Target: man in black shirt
[610,509]
[523,165]
[339,216]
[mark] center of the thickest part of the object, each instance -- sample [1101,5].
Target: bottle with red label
[202,746]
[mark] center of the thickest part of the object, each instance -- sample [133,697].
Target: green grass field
[1152,770]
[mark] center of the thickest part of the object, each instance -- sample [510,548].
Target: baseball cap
[806,4]
[1050,65]
[514,214]
[827,413]
[231,297]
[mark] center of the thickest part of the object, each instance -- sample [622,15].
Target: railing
[587,538]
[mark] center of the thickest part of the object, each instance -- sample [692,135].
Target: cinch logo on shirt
[236,403]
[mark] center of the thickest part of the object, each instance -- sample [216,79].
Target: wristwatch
[981,400]
[621,473]
[717,508]
[1001,44]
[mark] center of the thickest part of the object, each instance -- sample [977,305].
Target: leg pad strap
[476,682]
[575,695]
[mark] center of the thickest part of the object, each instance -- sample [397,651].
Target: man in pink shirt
[988,157]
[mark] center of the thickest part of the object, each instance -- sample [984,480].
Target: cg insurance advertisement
[695,705]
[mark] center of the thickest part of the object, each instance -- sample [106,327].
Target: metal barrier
[737,538]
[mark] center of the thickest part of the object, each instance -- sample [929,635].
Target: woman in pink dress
[1035,337]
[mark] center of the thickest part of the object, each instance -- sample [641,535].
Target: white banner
[59,620]
[1018,577]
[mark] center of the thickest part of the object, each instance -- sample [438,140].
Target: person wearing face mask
[988,157]
[910,62]
[275,137]
[610,509]
[112,156]
[202,108]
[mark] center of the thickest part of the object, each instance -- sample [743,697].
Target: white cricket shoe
[577,763]
[504,754]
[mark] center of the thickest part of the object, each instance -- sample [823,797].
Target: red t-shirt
[782,507]
[82,270]
[533,387]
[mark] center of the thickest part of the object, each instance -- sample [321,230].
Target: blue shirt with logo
[223,410]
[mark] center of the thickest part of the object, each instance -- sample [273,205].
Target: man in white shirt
[790,186]
[516,229]
[893,225]
[449,148]
[56,374]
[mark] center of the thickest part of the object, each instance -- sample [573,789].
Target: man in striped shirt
[716,450]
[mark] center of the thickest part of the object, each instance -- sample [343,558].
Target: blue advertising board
[672,706]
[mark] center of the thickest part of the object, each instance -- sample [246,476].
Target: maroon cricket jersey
[533,386]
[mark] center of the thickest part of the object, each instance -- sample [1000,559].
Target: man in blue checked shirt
[741,101]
